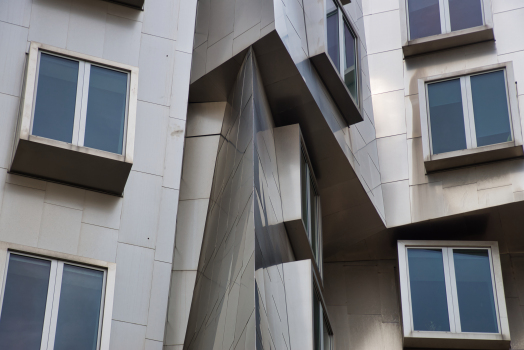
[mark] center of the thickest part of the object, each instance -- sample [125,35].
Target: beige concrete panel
[198,167]
[412,116]
[60,229]
[140,210]
[26,182]
[364,300]
[133,283]
[125,12]
[16,12]
[180,88]
[87,26]
[3,173]
[340,323]
[397,203]
[189,232]
[495,196]
[389,113]
[508,265]
[383,32]
[13,40]
[156,320]
[21,215]
[516,323]
[153,345]
[65,196]
[202,20]
[49,22]
[393,158]
[494,175]
[157,57]
[165,237]
[334,285]
[386,71]
[221,20]
[375,6]
[8,118]
[98,243]
[427,201]
[518,69]
[174,153]
[219,52]
[367,130]
[417,171]
[198,63]
[180,298]
[482,54]
[460,199]
[457,177]
[102,210]
[127,336]
[365,332]
[122,41]
[517,175]
[392,336]
[507,26]
[186,25]
[506,5]
[160,18]
[389,298]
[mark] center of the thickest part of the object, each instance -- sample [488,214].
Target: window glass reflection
[333,38]
[79,312]
[465,14]
[424,18]
[24,304]
[446,116]
[428,290]
[106,110]
[314,224]
[490,108]
[54,113]
[475,291]
[350,62]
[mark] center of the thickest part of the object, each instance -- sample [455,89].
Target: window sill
[445,340]
[337,88]
[473,156]
[448,40]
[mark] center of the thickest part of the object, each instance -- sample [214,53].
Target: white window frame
[472,154]
[58,260]
[343,20]
[82,98]
[455,337]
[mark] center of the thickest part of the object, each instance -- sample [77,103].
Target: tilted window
[322,331]
[342,47]
[51,305]
[452,289]
[311,207]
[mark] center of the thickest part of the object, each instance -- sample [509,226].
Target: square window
[474,113]
[51,304]
[453,291]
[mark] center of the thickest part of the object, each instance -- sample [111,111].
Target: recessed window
[51,305]
[468,112]
[452,290]
[311,208]
[322,332]
[433,17]
[342,47]
[80,103]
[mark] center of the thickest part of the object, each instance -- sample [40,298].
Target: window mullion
[341,41]
[55,305]
[493,286]
[445,21]
[465,112]
[83,114]
[451,279]
[469,116]
[78,102]
[49,306]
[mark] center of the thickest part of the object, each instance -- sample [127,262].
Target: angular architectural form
[261,174]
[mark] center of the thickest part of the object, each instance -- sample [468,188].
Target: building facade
[261,174]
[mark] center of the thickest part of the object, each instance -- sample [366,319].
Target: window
[311,207]
[80,103]
[452,289]
[469,112]
[433,17]
[342,47]
[51,305]
[322,331]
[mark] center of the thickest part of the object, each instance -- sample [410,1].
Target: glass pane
[490,108]
[314,229]
[56,98]
[465,14]
[106,110]
[326,338]
[446,116]
[79,311]
[428,290]
[332,38]
[317,320]
[24,304]
[475,291]
[350,62]
[424,18]
[304,185]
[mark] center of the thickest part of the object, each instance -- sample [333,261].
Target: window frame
[473,155]
[29,101]
[447,38]
[58,260]
[344,20]
[454,337]
[317,296]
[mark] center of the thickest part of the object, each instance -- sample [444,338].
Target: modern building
[261,174]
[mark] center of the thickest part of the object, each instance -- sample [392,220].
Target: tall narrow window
[51,305]
[322,333]
[311,208]
[80,103]
[350,62]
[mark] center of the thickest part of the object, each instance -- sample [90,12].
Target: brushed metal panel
[8,117]
[127,336]
[186,25]
[153,345]
[507,25]
[16,12]
[102,210]
[389,113]
[60,229]
[417,172]
[13,40]
[122,40]
[386,71]
[393,158]
[383,32]
[86,30]
[174,154]
[161,18]
[376,6]
[397,203]
[125,12]
[98,243]
[460,199]
[219,52]
[221,21]
[49,22]
[156,319]
[65,196]
[412,116]
[427,201]
[181,295]
[202,21]
[495,196]
[165,237]
[365,332]
[364,300]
